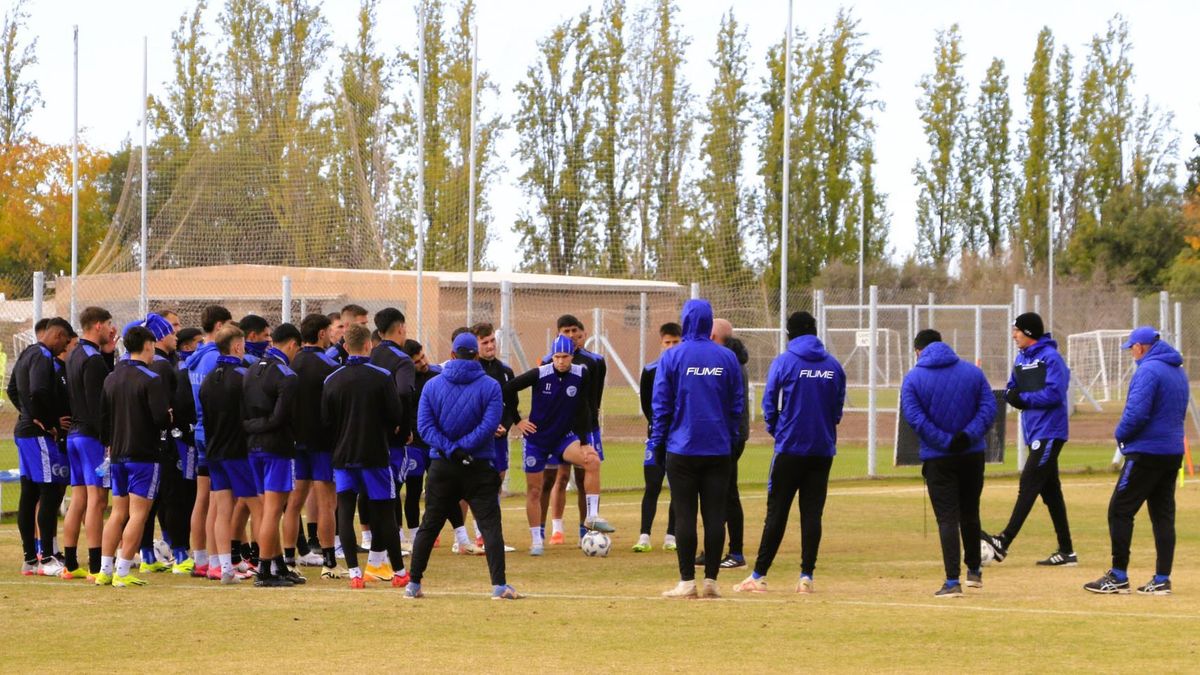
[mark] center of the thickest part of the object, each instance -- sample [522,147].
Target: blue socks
[756,575]
[952,582]
[1119,575]
[148,555]
[181,554]
[1162,578]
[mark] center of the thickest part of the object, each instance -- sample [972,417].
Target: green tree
[942,106]
[1192,165]
[725,204]
[611,151]
[19,95]
[1037,142]
[1064,163]
[993,114]
[556,122]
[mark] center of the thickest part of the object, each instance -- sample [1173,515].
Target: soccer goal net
[1098,364]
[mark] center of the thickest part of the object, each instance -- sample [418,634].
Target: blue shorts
[501,454]
[201,456]
[39,460]
[136,478]
[377,483]
[85,453]
[187,459]
[597,443]
[312,465]
[416,460]
[537,457]
[232,474]
[397,463]
[649,460]
[272,473]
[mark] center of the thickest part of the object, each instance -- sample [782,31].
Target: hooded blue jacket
[460,409]
[698,397]
[202,362]
[944,395]
[1047,414]
[802,402]
[1156,405]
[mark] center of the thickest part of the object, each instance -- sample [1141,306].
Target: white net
[1098,364]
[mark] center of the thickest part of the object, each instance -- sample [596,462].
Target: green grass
[873,610]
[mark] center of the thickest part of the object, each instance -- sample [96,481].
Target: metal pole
[929,309]
[1179,326]
[819,311]
[1037,303]
[695,290]
[471,187]
[1164,318]
[1050,281]
[1020,292]
[978,335]
[143,298]
[75,177]
[643,319]
[1136,313]
[872,359]
[285,316]
[783,223]
[597,317]
[420,172]
[506,335]
[862,250]
[39,292]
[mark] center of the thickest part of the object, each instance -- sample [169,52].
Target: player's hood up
[739,350]
[697,320]
[937,355]
[462,371]
[807,347]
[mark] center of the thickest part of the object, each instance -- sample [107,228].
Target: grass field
[873,609]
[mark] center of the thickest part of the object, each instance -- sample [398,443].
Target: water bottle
[102,470]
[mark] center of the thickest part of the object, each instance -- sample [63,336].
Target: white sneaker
[163,552]
[669,543]
[229,579]
[682,590]
[710,589]
[751,585]
[467,549]
[339,553]
[805,585]
[311,559]
[51,567]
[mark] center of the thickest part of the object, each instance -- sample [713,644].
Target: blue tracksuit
[698,397]
[803,399]
[1043,380]
[1156,405]
[460,409]
[944,395]
[199,365]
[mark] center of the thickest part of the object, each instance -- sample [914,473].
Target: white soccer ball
[596,545]
[987,554]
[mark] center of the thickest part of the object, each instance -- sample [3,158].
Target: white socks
[593,506]
[556,525]
[376,558]
[460,536]
[355,572]
[366,535]
[106,564]
[123,565]
[537,536]
[201,558]
[477,532]
[643,539]
[226,562]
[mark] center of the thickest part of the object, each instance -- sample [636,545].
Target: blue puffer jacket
[460,409]
[698,397]
[202,362]
[944,395]
[802,402]
[1047,414]
[1156,405]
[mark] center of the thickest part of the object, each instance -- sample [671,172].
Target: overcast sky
[1163,34]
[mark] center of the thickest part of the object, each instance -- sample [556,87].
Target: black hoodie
[221,403]
[362,408]
[134,411]
[268,390]
[743,357]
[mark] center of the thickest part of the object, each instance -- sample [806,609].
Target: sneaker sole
[1069,564]
[946,596]
[1141,592]
[1097,591]
[972,584]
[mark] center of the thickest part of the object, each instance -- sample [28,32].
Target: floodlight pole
[143,298]
[783,223]
[471,187]
[420,224]
[1050,283]
[872,366]
[75,175]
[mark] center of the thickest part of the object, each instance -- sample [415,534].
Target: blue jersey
[199,365]
[559,403]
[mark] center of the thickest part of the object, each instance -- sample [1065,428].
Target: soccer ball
[987,554]
[596,545]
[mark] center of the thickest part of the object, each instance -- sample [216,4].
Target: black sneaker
[700,559]
[272,581]
[293,577]
[1060,559]
[1156,588]
[731,561]
[1107,585]
[999,546]
[974,580]
[949,590]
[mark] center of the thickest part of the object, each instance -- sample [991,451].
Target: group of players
[227,433]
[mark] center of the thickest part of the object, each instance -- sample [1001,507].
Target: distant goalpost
[1098,365]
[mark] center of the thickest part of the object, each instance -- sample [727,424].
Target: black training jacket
[86,371]
[312,366]
[134,412]
[502,374]
[34,390]
[221,403]
[268,389]
[391,358]
[362,408]
[422,379]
